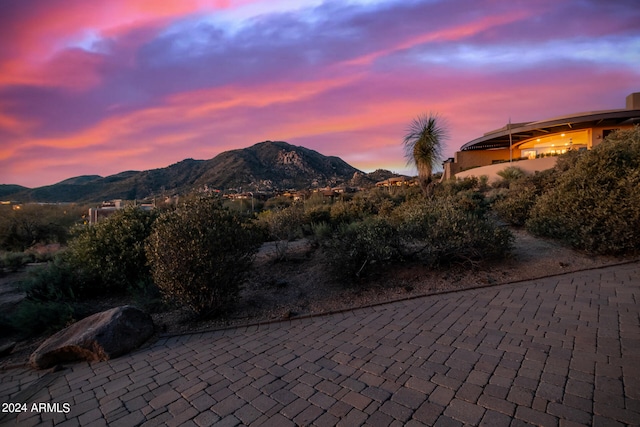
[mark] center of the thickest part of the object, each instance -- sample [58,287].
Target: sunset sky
[103,86]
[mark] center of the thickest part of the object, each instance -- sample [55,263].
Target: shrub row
[437,231]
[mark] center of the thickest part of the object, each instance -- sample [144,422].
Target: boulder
[99,337]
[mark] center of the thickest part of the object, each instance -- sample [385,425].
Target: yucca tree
[423,145]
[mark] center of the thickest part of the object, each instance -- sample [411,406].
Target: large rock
[99,337]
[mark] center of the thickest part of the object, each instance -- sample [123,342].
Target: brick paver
[557,351]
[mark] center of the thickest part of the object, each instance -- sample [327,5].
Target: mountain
[274,165]
[8,189]
[266,166]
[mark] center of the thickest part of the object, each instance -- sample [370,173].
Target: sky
[104,86]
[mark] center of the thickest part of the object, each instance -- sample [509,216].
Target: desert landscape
[302,286]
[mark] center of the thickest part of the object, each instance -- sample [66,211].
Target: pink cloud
[38,34]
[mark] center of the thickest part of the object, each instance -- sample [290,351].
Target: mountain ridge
[268,166]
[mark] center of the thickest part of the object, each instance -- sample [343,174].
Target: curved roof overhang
[523,131]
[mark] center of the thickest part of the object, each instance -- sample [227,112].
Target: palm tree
[423,145]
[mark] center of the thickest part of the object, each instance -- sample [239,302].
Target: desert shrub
[13,261]
[314,200]
[282,226]
[321,231]
[355,209]
[567,161]
[50,302]
[453,186]
[509,175]
[483,183]
[515,205]
[33,317]
[109,256]
[318,214]
[54,281]
[595,204]
[442,231]
[345,212]
[199,254]
[516,199]
[278,202]
[470,201]
[439,231]
[357,247]
[43,253]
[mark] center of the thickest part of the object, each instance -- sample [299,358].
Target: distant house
[534,144]
[399,181]
[109,208]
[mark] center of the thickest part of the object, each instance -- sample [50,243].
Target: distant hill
[8,189]
[83,179]
[266,166]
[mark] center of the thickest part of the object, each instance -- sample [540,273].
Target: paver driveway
[557,351]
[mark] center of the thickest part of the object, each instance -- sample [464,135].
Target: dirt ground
[301,285]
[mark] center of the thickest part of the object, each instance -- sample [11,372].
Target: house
[399,181]
[109,208]
[532,146]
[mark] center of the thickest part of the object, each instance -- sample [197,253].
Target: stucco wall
[528,166]
[469,159]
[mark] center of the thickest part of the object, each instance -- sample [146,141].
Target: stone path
[561,351]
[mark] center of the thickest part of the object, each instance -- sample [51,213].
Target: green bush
[451,187]
[438,231]
[50,303]
[508,176]
[283,226]
[321,231]
[109,256]
[33,318]
[511,173]
[444,232]
[318,214]
[13,261]
[515,206]
[199,254]
[54,281]
[355,248]
[595,204]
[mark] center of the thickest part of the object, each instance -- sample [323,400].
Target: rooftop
[517,132]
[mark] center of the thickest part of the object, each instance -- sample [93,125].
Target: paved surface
[558,351]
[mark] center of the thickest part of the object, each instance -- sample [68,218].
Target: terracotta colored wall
[469,159]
